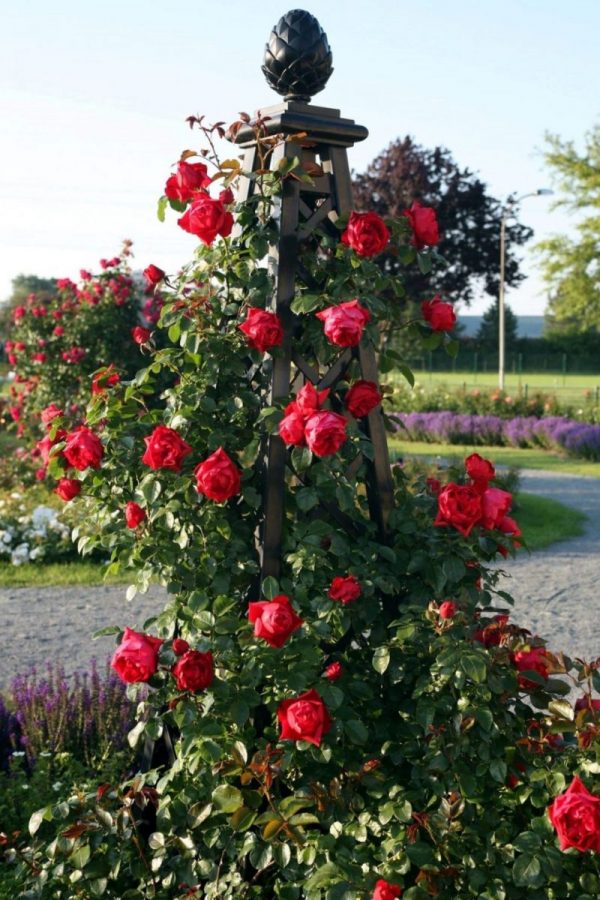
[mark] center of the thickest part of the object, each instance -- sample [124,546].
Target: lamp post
[507,210]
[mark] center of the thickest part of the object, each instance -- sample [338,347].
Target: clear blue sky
[93,97]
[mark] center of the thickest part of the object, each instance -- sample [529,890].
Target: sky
[93,98]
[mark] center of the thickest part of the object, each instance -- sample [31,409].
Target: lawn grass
[544,521]
[525,458]
[77,572]
[569,388]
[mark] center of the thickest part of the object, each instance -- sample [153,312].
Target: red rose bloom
[434,485]
[366,233]
[218,478]
[362,397]
[136,657]
[165,449]
[206,218]
[189,178]
[83,449]
[154,275]
[140,334]
[345,589]
[424,224]
[308,400]
[67,488]
[274,620]
[104,379]
[193,671]
[333,671]
[535,660]
[304,719]
[58,330]
[180,646]
[325,432]
[134,515]
[479,470]
[491,635]
[494,506]
[262,329]
[384,890]
[344,324]
[226,197]
[459,506]
[576,817]
[438,314]
[40,357]
[291,429]
[447,609]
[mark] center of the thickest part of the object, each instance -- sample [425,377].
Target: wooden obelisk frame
[301,209]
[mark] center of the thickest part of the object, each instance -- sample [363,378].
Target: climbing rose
[495,504]
[49,413]
[291,429]
[479,470]
[535,660]
[206,218]
[438,314]
[460,506]
[325,432]
[262,329]
[134,515]
[304,718]
[575,815]
[153,275]
[189,178]
[423,222]
[165,449]
[447,609]
[193,671]
[384,890]
[103,379]
[366,233]
[345,589]
[83,449]
[274,620]
[140,334]
[344,324]
[333,671]
[67,488]
[308,400]
[180,646]
[362,397]
[136,657]
[218,478]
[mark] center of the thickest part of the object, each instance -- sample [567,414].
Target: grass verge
[544,521]
[54,575]
[525,458]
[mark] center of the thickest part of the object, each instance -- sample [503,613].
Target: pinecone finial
[297,56]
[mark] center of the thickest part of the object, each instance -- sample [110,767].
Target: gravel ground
[557,594]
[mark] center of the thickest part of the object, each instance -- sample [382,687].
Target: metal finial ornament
[298,59]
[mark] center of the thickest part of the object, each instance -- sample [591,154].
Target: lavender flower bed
[553,432]
[87,716]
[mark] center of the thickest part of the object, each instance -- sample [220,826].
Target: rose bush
[363,726]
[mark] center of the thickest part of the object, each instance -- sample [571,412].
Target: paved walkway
[557,593]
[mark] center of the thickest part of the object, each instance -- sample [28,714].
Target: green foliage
[438,764]
[570,266]
[487,335]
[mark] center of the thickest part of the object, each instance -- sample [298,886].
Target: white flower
[36,553]
[15,495]
[20,555]
[43,515]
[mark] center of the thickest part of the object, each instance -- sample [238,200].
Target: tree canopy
[487,334]
[571,265]
[468,216]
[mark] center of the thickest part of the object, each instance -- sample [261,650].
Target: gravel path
[557,591]
[557,594]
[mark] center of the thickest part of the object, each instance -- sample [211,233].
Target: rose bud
[438,314]
[136,657]
[140,334]
[304,718]
[274,620]
[154,275]
[193,671]
[134,515]
[423,222]
[366,234]
[447,609]
[67,488]
[333,671]
[345,589]
[180,646]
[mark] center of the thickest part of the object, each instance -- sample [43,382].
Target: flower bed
[553,432]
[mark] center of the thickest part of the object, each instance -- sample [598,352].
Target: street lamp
[508,210]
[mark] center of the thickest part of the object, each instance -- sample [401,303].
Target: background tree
[571,266]
[22,287]
[487,335]
[468,216]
